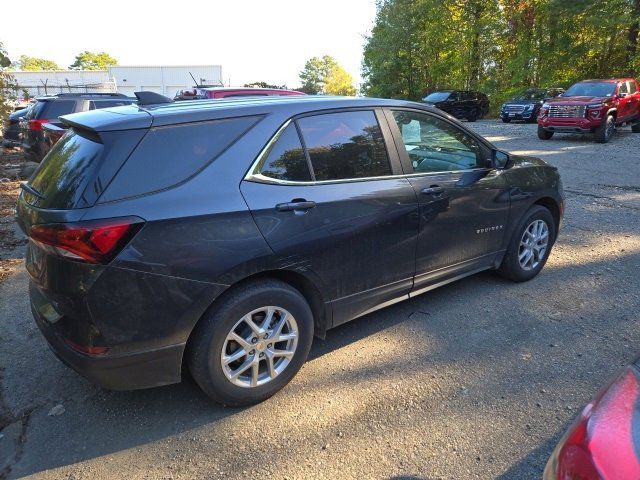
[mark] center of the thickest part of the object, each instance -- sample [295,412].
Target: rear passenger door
[330,198]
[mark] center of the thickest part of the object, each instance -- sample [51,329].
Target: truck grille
[514,108]
[567,111]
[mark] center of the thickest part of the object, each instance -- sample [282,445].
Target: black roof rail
[151,98]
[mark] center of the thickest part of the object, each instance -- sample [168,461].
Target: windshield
[591,89]
[437,97]
[530,96]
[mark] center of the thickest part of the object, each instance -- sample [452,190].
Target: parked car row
[598,107]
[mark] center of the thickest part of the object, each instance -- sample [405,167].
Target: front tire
[506,120]
[250,345]
[473,115]
[635,128]
[530,246]
[544,134]
[605,131]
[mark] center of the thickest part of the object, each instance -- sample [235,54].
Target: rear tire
[525,258]
[544,134]
[605,131]
[223,333]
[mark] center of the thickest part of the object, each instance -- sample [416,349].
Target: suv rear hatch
[65,255]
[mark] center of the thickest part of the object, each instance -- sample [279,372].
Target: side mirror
[500,159]
[622,95]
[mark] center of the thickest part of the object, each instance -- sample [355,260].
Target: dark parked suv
[223,235]
[526,105]
[460,103]
[47,110]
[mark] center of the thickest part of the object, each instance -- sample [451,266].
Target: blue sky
[253,40]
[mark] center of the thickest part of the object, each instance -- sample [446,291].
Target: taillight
[36,124]
[93,242]
[600,444]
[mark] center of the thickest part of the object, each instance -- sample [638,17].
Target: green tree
[7,86]
[339,82]
[315,73]
[33,63]
[93,61]
[497,46]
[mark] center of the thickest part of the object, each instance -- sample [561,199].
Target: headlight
[545,105]
[594,105]
[529,107]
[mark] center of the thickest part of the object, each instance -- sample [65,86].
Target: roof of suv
[134,116]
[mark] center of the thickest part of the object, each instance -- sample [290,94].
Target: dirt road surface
[475,380]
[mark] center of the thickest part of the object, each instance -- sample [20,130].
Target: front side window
[623,88]
[284,159]
[434,145]
[345,145]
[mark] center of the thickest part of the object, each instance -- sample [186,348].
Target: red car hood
[576,100]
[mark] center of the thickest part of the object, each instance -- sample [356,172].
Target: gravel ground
[477,379]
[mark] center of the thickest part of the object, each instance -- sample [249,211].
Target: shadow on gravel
[463,321]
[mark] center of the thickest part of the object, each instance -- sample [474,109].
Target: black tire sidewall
[601,131]
[510,267]
[206,349]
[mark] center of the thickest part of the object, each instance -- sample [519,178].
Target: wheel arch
[309,290]
[553,206]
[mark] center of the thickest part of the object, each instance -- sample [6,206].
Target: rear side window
[63,174]
[345,145]
[285,158]
[169,155]
[57,108]
[97,104]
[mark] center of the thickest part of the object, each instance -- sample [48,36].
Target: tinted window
[434,145]
[591,89]
[345,145]
[437,97]
[633,87]
[97,104]
[623,88]
[62,175]
[57,108]
[285,159]
[169,155]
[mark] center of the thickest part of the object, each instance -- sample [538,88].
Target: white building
[166,80]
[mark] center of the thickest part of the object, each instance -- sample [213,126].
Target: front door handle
[433,190]
[296,206]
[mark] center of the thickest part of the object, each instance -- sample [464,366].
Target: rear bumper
[131,371]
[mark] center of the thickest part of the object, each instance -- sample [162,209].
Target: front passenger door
[464,203]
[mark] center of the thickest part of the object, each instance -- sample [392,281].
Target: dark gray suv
[223,235]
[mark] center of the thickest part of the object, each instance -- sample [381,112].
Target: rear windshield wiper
[31,190]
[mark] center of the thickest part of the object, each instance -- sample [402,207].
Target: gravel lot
[475,380]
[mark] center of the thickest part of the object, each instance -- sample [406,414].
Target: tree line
[497,46]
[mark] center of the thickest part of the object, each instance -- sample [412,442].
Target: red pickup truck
[592,106]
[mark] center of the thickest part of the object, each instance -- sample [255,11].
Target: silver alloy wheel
[533,245]
[259,346]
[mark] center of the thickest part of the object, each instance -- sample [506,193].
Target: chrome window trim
[250,176]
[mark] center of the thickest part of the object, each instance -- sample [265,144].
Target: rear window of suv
[62,176]
[52,109]
[169,155]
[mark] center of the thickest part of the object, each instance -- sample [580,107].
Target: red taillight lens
[87,349]
[600,445]
[94,242]
[36,124]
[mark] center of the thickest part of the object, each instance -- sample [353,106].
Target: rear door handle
[295,206]
[433,190]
